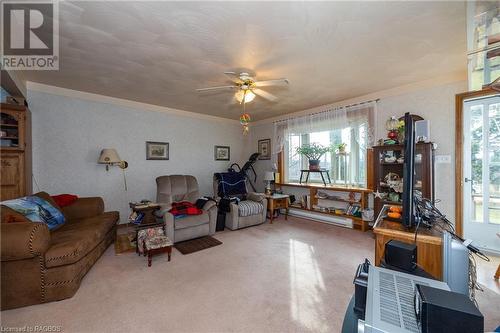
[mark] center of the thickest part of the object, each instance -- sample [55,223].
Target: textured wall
[69,133]
[436,104]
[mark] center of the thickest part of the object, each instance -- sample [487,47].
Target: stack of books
[136,218]
[354,210]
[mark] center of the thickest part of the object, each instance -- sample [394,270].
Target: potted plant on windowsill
[313,152]
[341,148]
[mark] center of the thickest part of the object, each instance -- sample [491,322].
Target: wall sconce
[109,157]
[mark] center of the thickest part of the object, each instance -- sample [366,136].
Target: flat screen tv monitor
[408,172]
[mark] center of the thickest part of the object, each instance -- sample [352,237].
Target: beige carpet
[293,276]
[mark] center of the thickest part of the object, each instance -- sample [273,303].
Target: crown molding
[454,77]
[35,86]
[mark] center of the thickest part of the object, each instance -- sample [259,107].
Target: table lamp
[268,177]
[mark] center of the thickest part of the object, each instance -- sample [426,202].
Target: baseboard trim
[333,220]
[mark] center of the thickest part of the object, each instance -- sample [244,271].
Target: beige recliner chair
[176,188]
[250,212]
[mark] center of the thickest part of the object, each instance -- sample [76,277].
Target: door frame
[459,144]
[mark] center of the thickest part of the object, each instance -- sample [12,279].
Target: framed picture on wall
[157,150]
[222,153]
[264,149]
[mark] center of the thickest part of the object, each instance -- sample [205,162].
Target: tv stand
[429,245]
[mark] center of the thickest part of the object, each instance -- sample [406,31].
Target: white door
[481,169]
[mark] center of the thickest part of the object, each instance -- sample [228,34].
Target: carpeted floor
[293,276]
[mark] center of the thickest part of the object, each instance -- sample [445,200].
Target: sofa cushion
[249,208]
[191,221]
[77,238]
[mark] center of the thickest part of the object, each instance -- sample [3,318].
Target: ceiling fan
[247,87]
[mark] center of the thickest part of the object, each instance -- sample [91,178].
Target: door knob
[467,180]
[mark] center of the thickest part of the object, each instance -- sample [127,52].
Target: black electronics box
[360,288]
[440,311]
[401,255]
[221,221]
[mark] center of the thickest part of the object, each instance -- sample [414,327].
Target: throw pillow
[36,209]
[63,200]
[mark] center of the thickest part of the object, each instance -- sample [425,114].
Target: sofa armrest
[84,208]
[24,240]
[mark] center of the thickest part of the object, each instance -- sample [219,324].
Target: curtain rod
[338,107]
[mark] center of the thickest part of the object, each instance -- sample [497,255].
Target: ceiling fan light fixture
[248,96]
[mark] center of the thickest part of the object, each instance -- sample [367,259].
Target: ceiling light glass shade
[108,156]
[249,96]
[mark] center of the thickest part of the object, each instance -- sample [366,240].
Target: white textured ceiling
[160,52]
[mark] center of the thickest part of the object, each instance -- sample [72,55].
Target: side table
[277,201]
[146,209]
[320,171]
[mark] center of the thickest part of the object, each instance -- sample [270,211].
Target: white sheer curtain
[327,120]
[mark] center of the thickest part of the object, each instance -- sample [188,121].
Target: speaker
[422,131]
[401,255]
[441,311]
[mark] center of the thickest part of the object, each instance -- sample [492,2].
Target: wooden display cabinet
[15,151]
[424,172]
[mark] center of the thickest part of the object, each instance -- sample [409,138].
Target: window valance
[327,120]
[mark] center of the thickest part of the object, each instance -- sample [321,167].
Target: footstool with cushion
[153,241]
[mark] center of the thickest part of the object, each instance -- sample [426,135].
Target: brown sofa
[39,265]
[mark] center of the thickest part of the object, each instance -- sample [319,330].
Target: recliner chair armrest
[24,240]
[258,197]
[209,205]
[164,208]
[168,219]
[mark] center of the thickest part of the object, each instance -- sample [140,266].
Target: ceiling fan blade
[265,94]
[233,76]
[217,88]
[277,82]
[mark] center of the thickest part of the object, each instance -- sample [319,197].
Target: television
[408,172]
[455,264]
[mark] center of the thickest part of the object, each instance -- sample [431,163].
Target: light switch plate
[443,159]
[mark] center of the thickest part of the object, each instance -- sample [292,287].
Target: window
[349,168]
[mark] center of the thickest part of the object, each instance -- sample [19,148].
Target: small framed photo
[222,153]
[157,150]
[264,149]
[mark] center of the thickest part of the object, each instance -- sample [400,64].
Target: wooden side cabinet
[429,245]
[383,165]
[15,151]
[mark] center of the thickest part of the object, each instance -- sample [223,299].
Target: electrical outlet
[442,159]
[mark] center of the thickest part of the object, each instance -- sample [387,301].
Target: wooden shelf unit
[424,171]
[15,162]
[358,222]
